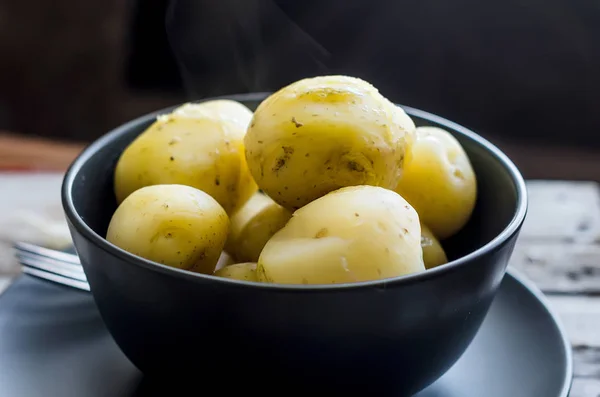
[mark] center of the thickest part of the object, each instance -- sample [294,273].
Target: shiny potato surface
[225,259]
[439,182]
[323,133]
[239,271]
[199,148]
[176,225]
[253,225]
[433,252]
[224,109]
[353,234]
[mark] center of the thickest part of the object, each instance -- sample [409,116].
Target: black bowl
[393,336]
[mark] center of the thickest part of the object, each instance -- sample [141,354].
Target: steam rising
[227,46]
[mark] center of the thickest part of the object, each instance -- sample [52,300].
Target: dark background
[523,73]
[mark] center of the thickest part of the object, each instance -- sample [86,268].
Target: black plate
[53,343]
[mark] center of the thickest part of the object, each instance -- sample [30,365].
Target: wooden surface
[558,249]
[18,153]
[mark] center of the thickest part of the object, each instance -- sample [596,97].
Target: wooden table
[18,153]
[559,249]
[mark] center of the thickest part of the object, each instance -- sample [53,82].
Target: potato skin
[200,149]
[439,181]
[225,259]
[176,225]
[253,225]
[224,109]
[323,133]
[239,271]
[353,234]
[433,252]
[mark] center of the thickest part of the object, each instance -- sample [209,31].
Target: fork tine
[63,269]
[46,252]
[55,262]
[57,278]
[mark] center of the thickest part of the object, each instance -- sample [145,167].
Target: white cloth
[30,211]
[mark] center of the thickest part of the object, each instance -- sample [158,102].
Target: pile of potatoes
[326,182]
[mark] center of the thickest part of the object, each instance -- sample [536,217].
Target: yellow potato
[253,225]
[353,234]
[239,271]
[225,259]
[433,252]
[198,148]
[439,181]
[176,225]
[225,109]
[323,133]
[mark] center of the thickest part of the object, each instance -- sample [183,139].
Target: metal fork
[49,264]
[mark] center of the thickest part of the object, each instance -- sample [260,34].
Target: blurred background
[523,73]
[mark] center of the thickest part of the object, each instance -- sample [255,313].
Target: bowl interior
[497,205]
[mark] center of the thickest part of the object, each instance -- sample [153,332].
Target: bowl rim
[493,245]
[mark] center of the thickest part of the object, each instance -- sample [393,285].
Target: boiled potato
[225,259]
[193,146]
[439,181]
[239,271]
[319,134]
[356,233]
[225,109]
[433,252]
[253,225]
[176,225]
